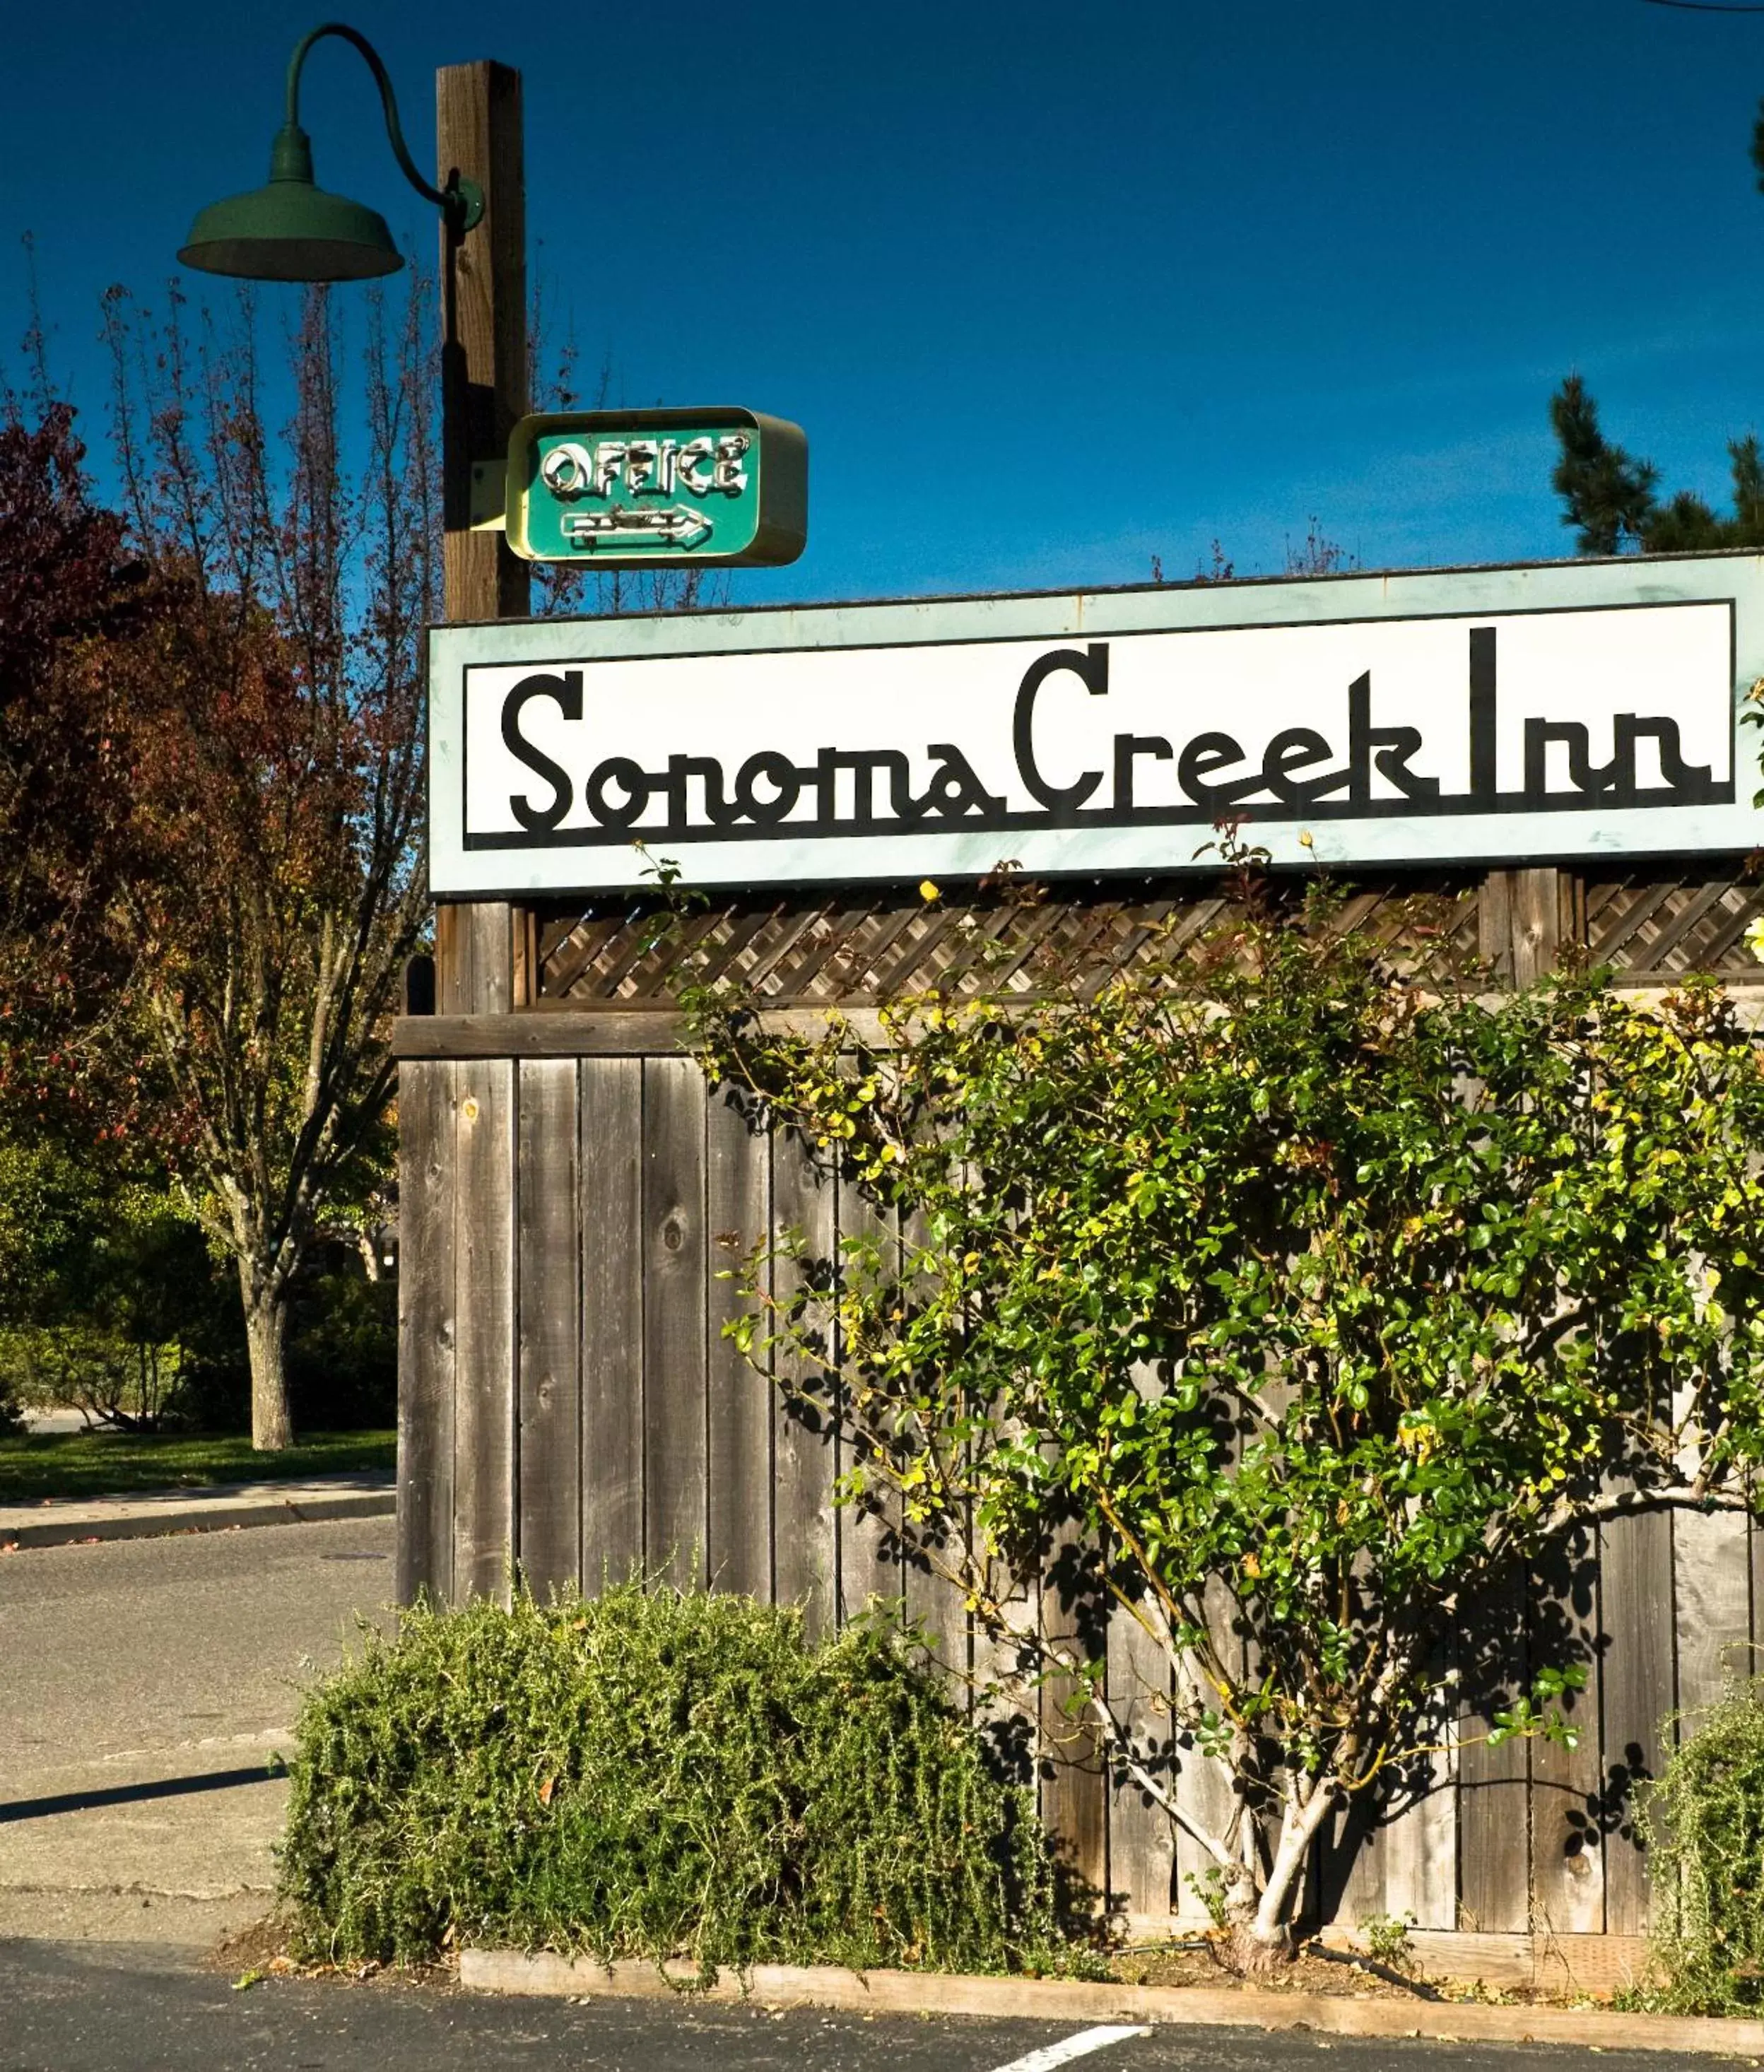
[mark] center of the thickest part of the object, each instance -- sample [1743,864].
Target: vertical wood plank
[1074,1783]
[1537,923]
[673,1298]
[550,1324]
[609,1164]
[1202,1788]
[1493,1788]
[1526,917]
[932,1604]
[1141,1838]
[1571,930]
[1568,1855]
[485,1393]
[1419,1846]
[1495,923]
[425,1331]
[1004,1701]
[1711,1592]
[867,1534]
[1353,1883]
[1755,1549]
[526,978]
[453,991]
[474,967]
[738,1524]
[804,1553]
[1635,1596]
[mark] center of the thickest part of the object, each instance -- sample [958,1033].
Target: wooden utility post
[457,1404]
[484,393]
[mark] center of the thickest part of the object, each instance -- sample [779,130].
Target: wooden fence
[572,1192]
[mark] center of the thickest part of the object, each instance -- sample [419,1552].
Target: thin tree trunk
[1261,1930]
[266,1321]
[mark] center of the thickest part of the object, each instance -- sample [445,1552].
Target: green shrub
[1704,1822]
[109,1295]
[656,1773]
[342,1350]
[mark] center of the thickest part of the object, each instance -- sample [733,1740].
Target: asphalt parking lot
[146,1685]
[105,2008]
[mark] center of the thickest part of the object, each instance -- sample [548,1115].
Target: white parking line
[1080,2045]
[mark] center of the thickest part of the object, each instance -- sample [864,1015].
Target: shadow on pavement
[124,1795]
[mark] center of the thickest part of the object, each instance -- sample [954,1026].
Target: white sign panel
[750,751]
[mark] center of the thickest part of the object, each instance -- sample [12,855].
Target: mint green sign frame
[628,489]
[1578,711]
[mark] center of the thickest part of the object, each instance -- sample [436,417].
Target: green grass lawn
[75,1464]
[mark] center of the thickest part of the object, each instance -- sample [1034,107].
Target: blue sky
[1052,289]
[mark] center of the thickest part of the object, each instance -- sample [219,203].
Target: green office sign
[657,488]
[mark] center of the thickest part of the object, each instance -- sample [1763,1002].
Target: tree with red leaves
[244,777]
[67,582]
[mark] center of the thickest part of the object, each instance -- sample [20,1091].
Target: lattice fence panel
[867,945]
[1655,932]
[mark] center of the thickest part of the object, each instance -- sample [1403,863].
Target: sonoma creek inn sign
[1567,710]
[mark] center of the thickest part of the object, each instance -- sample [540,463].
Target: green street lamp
[292,230]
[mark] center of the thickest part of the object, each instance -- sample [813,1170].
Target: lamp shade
[291,230]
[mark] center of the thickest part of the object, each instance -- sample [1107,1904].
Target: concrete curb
[151,1514]
[1070,1999]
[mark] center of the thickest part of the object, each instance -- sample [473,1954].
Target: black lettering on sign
[865,765]
[1298,748]
[1091,669]
[567,690]
[1298,774]
[630,778]
[771,768]
[1202,756]
[1128,747]
[1691,779]
[1484,690]
[955,788]
[709,772]
[1389,746]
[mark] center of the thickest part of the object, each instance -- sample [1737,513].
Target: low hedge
[1704,1822]
[655,1773]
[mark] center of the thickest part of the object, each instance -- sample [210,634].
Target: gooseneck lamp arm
[462,199]
[292,229]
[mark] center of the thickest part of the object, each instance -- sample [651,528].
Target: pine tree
[1611,497]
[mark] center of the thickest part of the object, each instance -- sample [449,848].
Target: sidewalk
[148,1685]
[146,1514]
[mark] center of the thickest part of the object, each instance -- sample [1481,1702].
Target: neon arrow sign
[657,488]
[675,527]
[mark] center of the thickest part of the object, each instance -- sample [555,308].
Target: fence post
[460,1297]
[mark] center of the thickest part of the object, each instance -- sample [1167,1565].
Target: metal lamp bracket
[461,201]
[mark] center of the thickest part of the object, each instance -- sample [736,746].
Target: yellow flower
[929,892]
